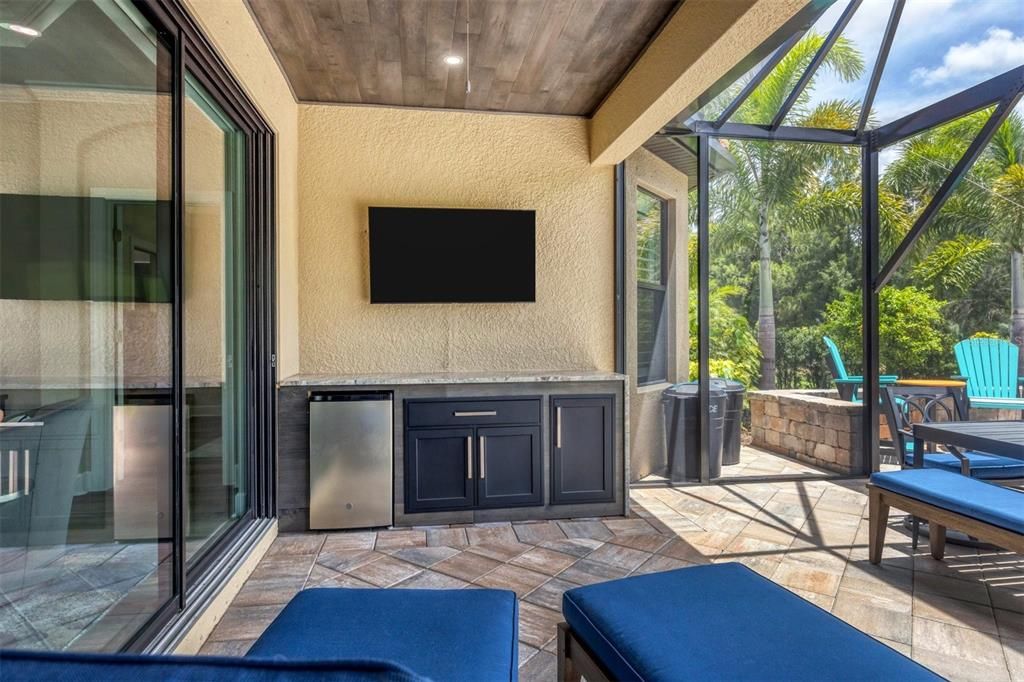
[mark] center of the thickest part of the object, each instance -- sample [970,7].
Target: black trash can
[734,393]
[680,403]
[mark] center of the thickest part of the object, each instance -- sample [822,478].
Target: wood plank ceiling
[541,56]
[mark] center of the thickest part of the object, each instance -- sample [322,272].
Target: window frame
[643,375]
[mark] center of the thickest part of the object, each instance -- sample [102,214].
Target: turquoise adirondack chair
[989,366]
[849,387]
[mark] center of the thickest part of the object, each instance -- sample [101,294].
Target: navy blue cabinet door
[510,466]
[439,469]
[582,449]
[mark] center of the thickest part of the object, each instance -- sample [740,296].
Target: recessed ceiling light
[24,30]
[452,60]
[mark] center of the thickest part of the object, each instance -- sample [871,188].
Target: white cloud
[997,52]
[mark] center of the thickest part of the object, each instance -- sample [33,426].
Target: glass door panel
[214,290]
[86,295]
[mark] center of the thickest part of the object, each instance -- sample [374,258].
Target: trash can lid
[727,385]
[690,390]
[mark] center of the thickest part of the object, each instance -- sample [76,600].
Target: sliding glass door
[136,318]
[214,301]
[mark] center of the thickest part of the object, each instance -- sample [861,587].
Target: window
[651,280]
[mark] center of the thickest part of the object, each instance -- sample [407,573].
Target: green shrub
[734,350]
[915,340]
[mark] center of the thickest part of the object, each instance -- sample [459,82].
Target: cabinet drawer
[462,412]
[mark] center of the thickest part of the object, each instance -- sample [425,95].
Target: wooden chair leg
[937,540]
[878,520]
[566,670]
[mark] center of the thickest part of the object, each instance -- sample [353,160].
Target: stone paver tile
[535,533]
[278,567]
[904,649]
[625,558]
[874,616]
[952,667]
[544,561]
[685,551]
[808,578]
[645,542]
[321,576]
[1013,651]
[549,595]
[396,539]
[346,559]
[577,547]
[526,652]
[350,540]
[433,580]
[467,566]
[267,592]
[587,572]
[424,556]
[895,584]
[1007,597]
[585,529]
[743,544]
[821,600]
[537,625]
[231,647]
[955,612]
[966,590]
[522,581]
[1010,623]
[966,644]
[447,537]
[659,563]
[962,567]
[503,534]
[540,668]
[500,551]
[296,543]
[769,532]
[628,526]
[244,622]
[708,538]
[385,572]
[831,559]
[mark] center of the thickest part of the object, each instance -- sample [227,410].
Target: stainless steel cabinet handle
[558,427]
[483,458]
[479,413]
[469,456]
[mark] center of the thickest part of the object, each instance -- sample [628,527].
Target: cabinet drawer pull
[558,427]
[469,456]
[483,458]
[476,413]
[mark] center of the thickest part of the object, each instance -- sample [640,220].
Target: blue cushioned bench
[716,622]
[331,634]
[989,512]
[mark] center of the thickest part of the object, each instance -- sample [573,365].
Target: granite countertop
[399,379]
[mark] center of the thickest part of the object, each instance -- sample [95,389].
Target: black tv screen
[445,255]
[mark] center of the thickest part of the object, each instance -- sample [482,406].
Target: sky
[941,47]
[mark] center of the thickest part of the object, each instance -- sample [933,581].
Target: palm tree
[770,177]
[1007,150]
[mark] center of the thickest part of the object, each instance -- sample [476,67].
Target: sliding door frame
[195,55]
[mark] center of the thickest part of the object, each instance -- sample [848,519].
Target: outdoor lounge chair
[332,633]
[906,405]
[990,368]
[849,387]
[946,500]
[715,622]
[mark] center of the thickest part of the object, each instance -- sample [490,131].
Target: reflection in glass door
[214,307]
[86,341]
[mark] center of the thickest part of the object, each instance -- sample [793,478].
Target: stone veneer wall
[812,426]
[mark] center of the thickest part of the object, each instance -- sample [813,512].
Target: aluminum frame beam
[883,56]
[819,58]
[750,131]
[751,85]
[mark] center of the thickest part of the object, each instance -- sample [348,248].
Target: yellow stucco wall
[353,157]
[232,30]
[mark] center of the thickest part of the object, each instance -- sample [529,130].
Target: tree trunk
[766,303]
[1017,306]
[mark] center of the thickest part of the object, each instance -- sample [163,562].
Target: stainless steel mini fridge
[350,459]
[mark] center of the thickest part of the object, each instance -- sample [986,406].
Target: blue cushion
[722,622]
[999,506]
[440,634]
[43,666]
[984,466]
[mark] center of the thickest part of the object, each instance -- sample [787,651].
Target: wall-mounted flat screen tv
[445,255]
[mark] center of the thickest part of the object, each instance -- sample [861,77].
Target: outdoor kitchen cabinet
[509,474]
[439,469]
[582,449]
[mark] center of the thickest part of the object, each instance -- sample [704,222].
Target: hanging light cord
[469,85]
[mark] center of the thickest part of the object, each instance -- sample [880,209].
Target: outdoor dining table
[1005,438]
